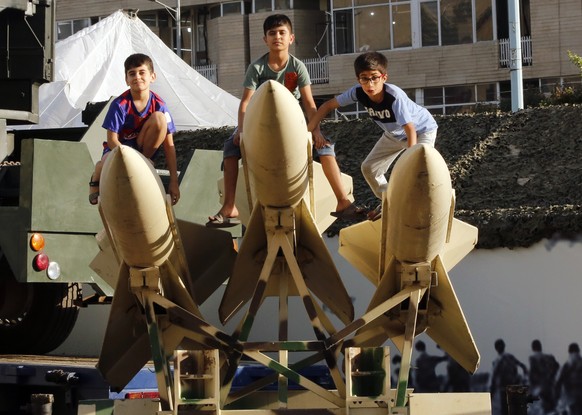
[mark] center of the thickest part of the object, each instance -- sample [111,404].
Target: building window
[458,99]
[429,23]
[483,20]
[377,25]
[66,28]
[392,24]
[456,22]
[270,5]
[343,32]
[401,26]
[372,28]
[232,8]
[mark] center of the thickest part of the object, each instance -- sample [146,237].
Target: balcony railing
[318,69]
[207,71]
[526,52]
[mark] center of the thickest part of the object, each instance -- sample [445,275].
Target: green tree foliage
[566,94]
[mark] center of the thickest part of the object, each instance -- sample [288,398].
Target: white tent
[89,68]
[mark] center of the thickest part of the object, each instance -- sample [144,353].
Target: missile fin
[449,328]
[210,263]
[126,346]
[462,241]
[318,269]
[359,244]
[247,267]
[384,327]
[388,286]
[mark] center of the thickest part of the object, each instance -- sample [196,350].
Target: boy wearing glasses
[404,122]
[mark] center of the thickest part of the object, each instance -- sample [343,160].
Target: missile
[278,170]
[416,243]
[145,241]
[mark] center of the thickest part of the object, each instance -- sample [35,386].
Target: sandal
[221,221]
[375,214]
[351,213]
[94,196]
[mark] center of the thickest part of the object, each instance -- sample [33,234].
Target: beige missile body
[276,144]
[417,234]
[277,155]
[145,240]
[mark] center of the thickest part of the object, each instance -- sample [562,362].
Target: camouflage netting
[517,176]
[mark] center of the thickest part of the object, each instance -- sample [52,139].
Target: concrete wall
[228,49]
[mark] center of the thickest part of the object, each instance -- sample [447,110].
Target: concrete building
[449,55]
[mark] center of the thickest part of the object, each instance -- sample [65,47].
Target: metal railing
[526,52]
[318,69]
[208,71]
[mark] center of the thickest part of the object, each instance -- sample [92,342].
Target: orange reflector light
[41,262]
[142,395]
[37,241]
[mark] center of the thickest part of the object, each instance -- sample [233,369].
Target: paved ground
[517,176]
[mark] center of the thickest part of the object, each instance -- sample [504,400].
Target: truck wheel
[35,318]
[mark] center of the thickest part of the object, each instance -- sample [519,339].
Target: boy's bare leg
[152,134]
[228,209]
[333,175]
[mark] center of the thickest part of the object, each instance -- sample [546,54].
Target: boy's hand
[236,138]
[174,190]
[319,140]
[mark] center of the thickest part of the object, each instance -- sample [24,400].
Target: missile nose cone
[419,197]
[276,144]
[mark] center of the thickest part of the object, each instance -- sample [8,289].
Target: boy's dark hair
[277,20]
[499,346]
[138,59]
[371,61]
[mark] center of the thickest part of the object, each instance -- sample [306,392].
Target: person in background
[505,373]
[569,382]
[542,375]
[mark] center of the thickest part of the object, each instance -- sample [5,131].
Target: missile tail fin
[247,267]
[449,328]
[462,240]
[210,263]
[318,269]
[126,346]
[360,244]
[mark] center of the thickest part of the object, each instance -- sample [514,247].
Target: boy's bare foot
[343,205]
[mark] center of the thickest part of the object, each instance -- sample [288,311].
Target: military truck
[47,226]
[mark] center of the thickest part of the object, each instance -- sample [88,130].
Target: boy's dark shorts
[128,143]
[232,150]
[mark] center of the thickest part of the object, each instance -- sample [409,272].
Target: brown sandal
[94,196]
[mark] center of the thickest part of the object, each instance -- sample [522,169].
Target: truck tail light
[41,262]
[37,242]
